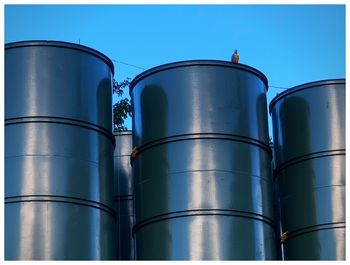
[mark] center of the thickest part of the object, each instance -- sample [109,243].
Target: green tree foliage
[121,109]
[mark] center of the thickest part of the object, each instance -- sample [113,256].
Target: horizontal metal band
[122,133]
[307,157]
[201,136]
[121,156]
[62,120]
[202,212]
[315,228]
[61,199]
[127,197]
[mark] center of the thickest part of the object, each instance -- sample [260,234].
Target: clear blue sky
[290,44]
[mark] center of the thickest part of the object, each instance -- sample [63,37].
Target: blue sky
[290,44]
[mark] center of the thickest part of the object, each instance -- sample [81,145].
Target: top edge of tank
[127,132]
[200,63]
[61,44]
[304,86]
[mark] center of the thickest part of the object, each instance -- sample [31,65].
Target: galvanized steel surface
[309,140]
[277,210]
[58,152]
[196,101]
[203,186]
[124,194]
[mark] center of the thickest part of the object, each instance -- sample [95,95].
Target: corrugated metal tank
[202,176]
[123,194]
[309,140]
[58,152]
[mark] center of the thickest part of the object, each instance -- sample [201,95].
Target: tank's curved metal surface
[277,210]
[202,178]
[309,141]
[58,152]
[124,194]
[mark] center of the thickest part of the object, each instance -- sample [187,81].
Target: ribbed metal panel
[58,152]
[309,140]
[203,186]
[124,194]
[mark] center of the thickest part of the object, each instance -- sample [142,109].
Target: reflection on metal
[309,141]
[277,210]
[58,152]
[123,194]
[203,185]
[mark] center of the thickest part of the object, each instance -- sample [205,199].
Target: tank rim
[304,86]
[172,65]
[61,44]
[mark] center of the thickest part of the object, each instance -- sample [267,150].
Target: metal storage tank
[123,194]
[276,209]
[201,162]
[309,140]
[58,152]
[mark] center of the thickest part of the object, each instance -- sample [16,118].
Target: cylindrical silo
[277,210]
[123,194]
[201,161]
[309,141]
[58,152]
